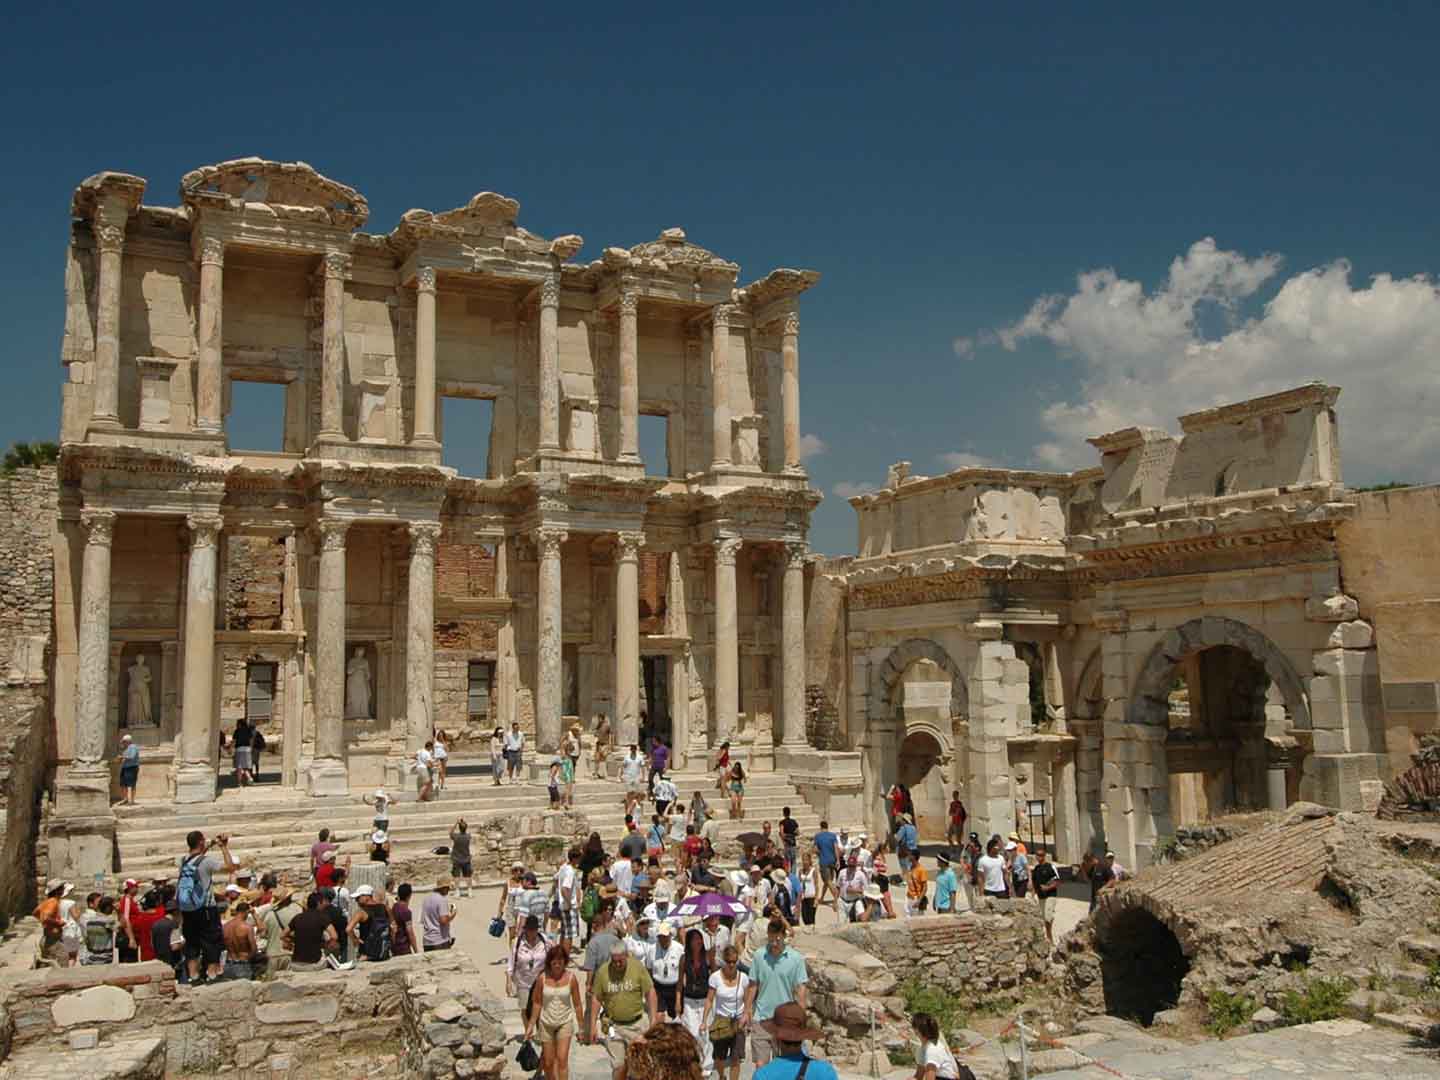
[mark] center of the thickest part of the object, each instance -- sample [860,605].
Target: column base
[425,442]
[327,776]
[400,780]
[789,754]
[81,836]
[195,784]
[84,791]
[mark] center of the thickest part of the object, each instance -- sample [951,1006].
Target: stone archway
[920,767]
[905,654]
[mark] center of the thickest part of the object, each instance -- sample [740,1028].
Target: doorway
[655,677]
[921,771]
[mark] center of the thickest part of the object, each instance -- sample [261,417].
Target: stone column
[629,376]
[790,388]
[92,689]
[209,373]
[720,384]
[792,648]
[999,695]
[195,771]
[110,242]
[420,636]
[328,772]
[627,637]
[425,355]
[336,267]
[1276,797]
[727,643]
[548,540]
[1066,809]
[550,363]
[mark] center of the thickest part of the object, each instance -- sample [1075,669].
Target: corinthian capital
[99,526]
[790,324]
[424,535]
[425,279]
[204,529]
[548,539]
[629,301]
[628,545]
[212,251]
[720,315]
[337,265]
[110,239]
[332,534]
[794,553]
[726,548]
[550,291]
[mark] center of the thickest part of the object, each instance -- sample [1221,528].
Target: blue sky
[946,168]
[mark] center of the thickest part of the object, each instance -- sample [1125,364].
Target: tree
[24,455]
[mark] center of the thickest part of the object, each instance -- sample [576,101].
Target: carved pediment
[280,184]
[675,252]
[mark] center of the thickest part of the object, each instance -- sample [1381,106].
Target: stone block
[1340,608]
[318,1009]
[84,1038]
[1355,634]
[96,1005]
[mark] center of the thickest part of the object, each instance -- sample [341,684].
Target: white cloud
[964,347]
[845,489]
[812,446]
[1145,358]
[964,459]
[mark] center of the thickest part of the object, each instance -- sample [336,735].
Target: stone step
[135,1058]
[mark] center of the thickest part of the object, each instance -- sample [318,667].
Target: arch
[1143,961]
[905,654]
[1149,701]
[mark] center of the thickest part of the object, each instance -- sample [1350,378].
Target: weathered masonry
[1197,624]
[342,588]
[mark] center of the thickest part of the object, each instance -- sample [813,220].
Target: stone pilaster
[420,636]
[999,710]
[194,767]
[1348,749]
[790,389]
[727,642]
[425,355]
[627,637]
[336,268]
[110,243]
[209,372]
[792,648]
[629,374]
[550,363]
[720,384]
[1066,807]
[548,541]
[328,772]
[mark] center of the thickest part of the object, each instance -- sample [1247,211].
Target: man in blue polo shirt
[907,841]
[827,848]
[790,1031]
[777,977]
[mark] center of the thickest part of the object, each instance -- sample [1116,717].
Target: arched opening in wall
[1215,747]
[1141,965]
[921,769]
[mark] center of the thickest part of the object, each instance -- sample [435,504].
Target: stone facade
[1187,628]
[347,590]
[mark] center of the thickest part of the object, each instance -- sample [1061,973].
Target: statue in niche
[357,687]
[138,711]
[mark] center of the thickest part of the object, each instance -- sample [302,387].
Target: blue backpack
[188,891]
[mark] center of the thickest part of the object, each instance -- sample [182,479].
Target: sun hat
[379,836]
[665,929]
[872,892]
[517,865]
[779,876]
[756,868]
[664,892]
[243,873]
[365,890]
[942,859]
[855,844]
[444,881]
[787,1024]
[1010,845]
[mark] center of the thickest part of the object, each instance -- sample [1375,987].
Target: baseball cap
[365,890]
[232,889]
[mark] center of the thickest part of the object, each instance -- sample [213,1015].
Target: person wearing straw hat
[871,907]
[380,846]
[788,1031]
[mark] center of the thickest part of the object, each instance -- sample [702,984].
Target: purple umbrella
[706,904]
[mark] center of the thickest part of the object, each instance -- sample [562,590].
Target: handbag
[497,926]
[527,1057]
[722,1028]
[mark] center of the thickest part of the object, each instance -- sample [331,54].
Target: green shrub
[1432,979]
[1318,999]
[920,996]
[901,1057]
[1228,1011]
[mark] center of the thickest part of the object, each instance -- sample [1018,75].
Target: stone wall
[27,580]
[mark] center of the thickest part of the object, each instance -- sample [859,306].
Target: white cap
[364,890]
[232,889]
[125,738]
[1009,845]
[664,892]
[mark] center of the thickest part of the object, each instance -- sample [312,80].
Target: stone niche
[160,404]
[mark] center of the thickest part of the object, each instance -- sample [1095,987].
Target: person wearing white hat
[380,846]
[129,760]
[871,907]
[851,885]
[780,903]
[369,925]
[380,800]
[666,956]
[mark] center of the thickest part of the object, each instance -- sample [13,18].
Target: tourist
[632,772]
[701,876]
[871,907]
[994,874]
[624,992]
[568,893]
[1100,874]
[567,780]
[533,900]
[339,913]
[514,750]
[330,874]
[195,892]
[1014,838]
[1019,866]
[865,853]
[777,977]
[129,761]
[257,747]
[570,747]
[53,924]
[440,754]
[425,770]
[370,926]
[497,753]
[658,910]
[779,901]
[946,886]
[632,845]
[98,930]
[277,918]
[148,910]
[461,867]
[602,745]
[162,937]
[665,1052]
[241,947]
[1046,879]
[917,888]
[402,920]
[935,1061]
[659,761]
[311,935]
[641,939]
[1117,872]
[240,743]
[716,937]
[827,851]
[127,946]
[524,963]
[663,791]
[810,886]
[955,827]
[721,768]
[665,960]
[436,915]
[970,868]
[699,812]
[788,1034]
[907,842]
[592,857]
[737,792]
[510,893]
[895,805]
[675,823]
[880,875]
[789,837]
[850,889]
[603,935]
[725,1010]
[655,838]
[319,848]
[70,911]
[380,846]
[555,1004]
[553,783]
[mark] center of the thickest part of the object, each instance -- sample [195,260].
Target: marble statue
[138,712]
[357,687]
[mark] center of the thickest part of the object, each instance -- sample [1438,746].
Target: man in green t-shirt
[623,989]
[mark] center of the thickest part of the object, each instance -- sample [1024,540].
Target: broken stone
[1355,634]
[1265,1019]
[447,1012]
[94,1005]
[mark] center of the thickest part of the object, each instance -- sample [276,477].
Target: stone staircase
[273,828]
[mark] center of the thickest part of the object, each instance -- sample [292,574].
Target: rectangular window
[259,691]
[482,677]
[257,416]
[465,424]
[654,439]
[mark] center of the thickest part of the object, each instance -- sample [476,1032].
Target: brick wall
[254,582]
[464,571]
[654,587]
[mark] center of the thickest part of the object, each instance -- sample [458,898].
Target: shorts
[661,805]
[555,1032]
[128,775]
[460,869]
[1047,907]
[827,875]
[202,934]
[732,1047]
[441,947]
[625,1034]
[1021,887]
[635,787]
[570,923]
[762,1045]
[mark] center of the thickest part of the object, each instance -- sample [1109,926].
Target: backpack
[99,936]
[188,891]
[257,742]
[590,904]
[375,944]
